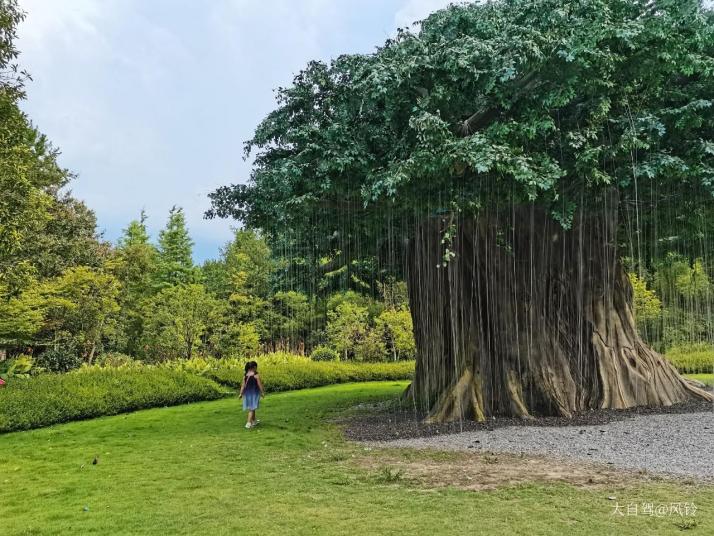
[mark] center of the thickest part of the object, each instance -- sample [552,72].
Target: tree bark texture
[529,318]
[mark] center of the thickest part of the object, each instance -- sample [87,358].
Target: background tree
[396,329]
[347,326]
[179,320]
[514,148]
[175,261]
[135,264]
[82,308]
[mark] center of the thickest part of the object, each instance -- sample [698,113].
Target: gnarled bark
[529,319]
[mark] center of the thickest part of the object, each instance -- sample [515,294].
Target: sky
[150,101]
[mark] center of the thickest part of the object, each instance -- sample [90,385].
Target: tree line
[67,296]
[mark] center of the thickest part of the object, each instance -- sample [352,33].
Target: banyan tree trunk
[529,319]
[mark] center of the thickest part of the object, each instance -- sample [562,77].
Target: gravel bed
[679,444]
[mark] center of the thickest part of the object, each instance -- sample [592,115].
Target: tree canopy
[489,105]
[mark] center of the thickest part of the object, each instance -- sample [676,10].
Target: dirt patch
[488,471]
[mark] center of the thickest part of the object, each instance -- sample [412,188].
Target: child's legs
[251,416]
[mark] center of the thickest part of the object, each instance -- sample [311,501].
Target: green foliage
[395,326]
[122,384]
[489,105]
[236,339]
[175,262]
[647,305]
[69,238]
[81,305]
[17,368]
[362,329]
[248,264]
[21,315]
[323,353]
[284,377]
[370,347]
[178,320]
[346,327]
[53,398]
[134,264]
[116,360]
[677,278]
[59,359]
[289,318]
[692,358]
[394,294]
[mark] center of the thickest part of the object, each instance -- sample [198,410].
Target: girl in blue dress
[251,391]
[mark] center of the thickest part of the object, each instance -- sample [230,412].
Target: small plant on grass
[389,476]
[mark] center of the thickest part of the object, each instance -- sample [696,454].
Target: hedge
[692,359]
[95,391]
[284,377]
[55,398]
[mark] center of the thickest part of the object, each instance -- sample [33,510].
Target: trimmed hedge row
[97,391]
[693,359]
[55,398]
[285,377]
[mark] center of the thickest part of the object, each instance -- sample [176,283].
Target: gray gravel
[678,444]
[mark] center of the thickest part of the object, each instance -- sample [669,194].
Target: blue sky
[151,100]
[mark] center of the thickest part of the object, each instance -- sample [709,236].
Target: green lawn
[195,470]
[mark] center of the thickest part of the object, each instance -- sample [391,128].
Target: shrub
[96,390]
[116,360]
[54,398]
[323,353]
[286,377]
[371,347]
[692,358]
[60,359]
[20,367]
[281,358]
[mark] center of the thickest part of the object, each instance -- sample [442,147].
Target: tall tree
[29,173]
[82,304]
[507,145]
[179,321]
[135,264]
[175,252]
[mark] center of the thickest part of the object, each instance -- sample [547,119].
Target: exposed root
[462,401]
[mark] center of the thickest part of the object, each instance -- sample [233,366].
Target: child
[251,391]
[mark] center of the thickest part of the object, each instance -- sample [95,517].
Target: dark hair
[251,365]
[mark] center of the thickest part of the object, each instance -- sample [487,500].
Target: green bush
[285,377]
[323,353]
[19,367]
[692,358]
[61,359]
[96,390]
[116,360]
[54,398]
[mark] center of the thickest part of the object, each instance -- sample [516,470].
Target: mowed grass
[194,469]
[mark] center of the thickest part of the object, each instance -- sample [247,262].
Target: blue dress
[251,394]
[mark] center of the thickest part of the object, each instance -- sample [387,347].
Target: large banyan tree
[504,159]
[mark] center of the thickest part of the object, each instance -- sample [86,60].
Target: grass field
[194,469]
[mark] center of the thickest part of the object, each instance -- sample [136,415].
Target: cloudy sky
[150,100]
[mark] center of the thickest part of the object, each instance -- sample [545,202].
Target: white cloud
[150,100]
[414,11]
